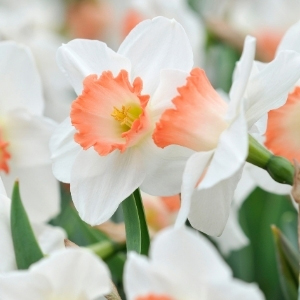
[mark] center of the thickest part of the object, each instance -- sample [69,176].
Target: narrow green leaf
[137,235]
[288,265]
[27,250]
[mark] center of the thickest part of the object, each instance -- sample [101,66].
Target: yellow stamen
[123,116]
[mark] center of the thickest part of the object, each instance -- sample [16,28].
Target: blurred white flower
[75,274]
[25,133]
[35,24]
[183,265]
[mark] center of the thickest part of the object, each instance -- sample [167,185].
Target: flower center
[110,113]
[127,115]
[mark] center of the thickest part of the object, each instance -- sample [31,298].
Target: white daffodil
[218,131]
[109,152]
[283,128]
[280,130]
[183,265]
[49,238]
[69,274]
[25,133]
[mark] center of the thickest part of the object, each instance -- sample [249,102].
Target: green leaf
[137,235]
[257,261]
[288,264]
[27,250]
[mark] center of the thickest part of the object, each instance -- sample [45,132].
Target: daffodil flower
[182,264]
[283,129]
[75,274]
[25,133]
[105,149]
[204,122]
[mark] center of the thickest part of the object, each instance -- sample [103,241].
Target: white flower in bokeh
[75,274]
[183,265]
[25,133]
[36,25]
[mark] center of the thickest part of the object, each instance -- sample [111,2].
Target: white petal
[100,183]
[141,279]
[245,186]
[189,260]
[28,136]
[234,290]
[291,39]
[230,155]
[154,45]
[164,168]
[170,81]
[50,238]
[20,84]
[80,58]
[241,76]
[7,256]
[73,272]
[269,88]
[188,251]
[195,167]
[24,285]
[259,128]
[211,200]
[39,191]
[64,151]
[233,237]
[210,207]
[2,188]
[183,265]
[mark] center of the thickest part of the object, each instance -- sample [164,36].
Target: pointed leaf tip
[288,264]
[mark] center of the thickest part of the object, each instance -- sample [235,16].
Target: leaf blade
[137,235]
[287,261]
[26,247]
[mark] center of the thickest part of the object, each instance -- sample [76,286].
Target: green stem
[137,235]
[279,168]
